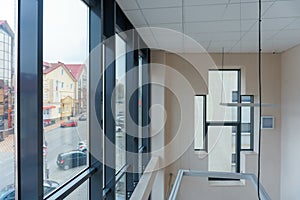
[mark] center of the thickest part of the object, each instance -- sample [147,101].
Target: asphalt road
[6,168]
[63,140]
[59,140]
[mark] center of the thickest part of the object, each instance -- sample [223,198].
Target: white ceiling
[214,24]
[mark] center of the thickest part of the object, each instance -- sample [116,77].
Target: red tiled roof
[48,107]
[49,68]
[5,26]
[46,64]
[75,69]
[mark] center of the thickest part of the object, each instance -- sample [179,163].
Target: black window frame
[251,124]
[102,23]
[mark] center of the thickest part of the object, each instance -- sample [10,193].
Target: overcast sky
[65,29]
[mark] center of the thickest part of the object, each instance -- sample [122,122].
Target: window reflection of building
[64,91]
[6,75]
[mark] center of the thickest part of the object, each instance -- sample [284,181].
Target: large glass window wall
[63,112]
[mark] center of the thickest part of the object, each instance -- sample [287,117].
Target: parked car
[1,123]
[120,120]
[69,123]
[8,193]
[82,117]
[82,146]
[1,136]
[119,129]
[49,186]
[71,159]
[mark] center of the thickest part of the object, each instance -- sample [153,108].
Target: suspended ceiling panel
[214,24]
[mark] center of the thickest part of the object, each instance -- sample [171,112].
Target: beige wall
[157,118]
[180,108]
[290,174]
[63,92]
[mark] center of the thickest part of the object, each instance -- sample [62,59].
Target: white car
[82,146]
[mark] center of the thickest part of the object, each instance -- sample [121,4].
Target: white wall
[200,188]
[290,138]
[180,113]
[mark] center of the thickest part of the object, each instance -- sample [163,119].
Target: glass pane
[65,89]
[140,114]
[81,193]
[121,188]
[221,148]
[222,85]
[246,141]
[246,111]
[199,122]
[247,122]
[120,102]
[8,17]
[1,44]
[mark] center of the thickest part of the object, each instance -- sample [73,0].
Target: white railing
[227,175]
[144,187]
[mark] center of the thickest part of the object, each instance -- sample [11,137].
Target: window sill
[201,153]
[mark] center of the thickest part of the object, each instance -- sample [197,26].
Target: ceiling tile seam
[208,46]
[280,30]
[266,10]
[192,5]
[243,36]
[156,8]
[165,23]
[220,20]
[298,17]
[225,9]
[182,17]
[200,33]
[147,23]
[237,42]
[138,25]
[231,3]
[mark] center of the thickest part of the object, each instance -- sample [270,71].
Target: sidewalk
[53,126]
[8,144]
[57,124]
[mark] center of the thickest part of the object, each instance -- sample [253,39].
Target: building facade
[64,86]
[6,76]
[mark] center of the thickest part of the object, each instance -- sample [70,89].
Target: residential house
[58,92]
[79,72]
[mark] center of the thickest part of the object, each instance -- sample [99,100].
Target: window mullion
[29,101]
